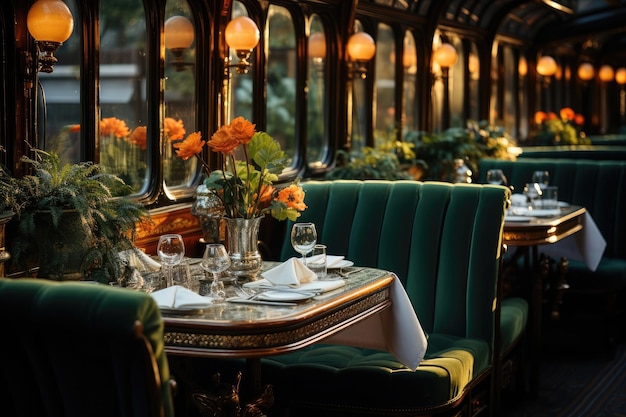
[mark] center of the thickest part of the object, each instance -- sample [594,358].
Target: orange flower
[138,137]
[579,119]
[74,128]
[267,191]
[189,147]
[567,113]
[552,116]
[242,130]
[293,197]
[223,141]
[112,126]
[540,117]
[173,129]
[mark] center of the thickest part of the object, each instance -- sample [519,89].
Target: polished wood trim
[277,330]
[543,231]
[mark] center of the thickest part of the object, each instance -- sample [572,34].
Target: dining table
[565,232]
[368,308]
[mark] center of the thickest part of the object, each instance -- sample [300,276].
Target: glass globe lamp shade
[50,21]
[242,34]
[179,33]
[445,55]
[361,47]
[620,76]
[522,66]
[546,66]
[586,71]
[606,73]
[317,45]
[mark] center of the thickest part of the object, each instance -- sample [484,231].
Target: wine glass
[171,250]
[532,191]
[216,260]
[496,176]
[303,238]
[542,178]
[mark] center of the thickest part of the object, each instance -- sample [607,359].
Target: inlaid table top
[248,330]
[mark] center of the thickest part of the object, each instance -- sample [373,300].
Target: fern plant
[69,211]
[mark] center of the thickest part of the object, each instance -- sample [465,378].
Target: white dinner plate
[344,263]
[284,296]
[517,218]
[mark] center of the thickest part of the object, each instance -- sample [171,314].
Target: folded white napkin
[291,272]
[178,297]
[139,260]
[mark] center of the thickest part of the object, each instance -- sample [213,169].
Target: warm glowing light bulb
[179,33]
[317,45]
[586,71]
[522,66]
[620,76]
[445,55]
[242,34]
[606,73]
[50,21]
[546,66]
[361,47]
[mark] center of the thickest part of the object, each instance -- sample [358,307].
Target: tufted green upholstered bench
[444,243]
[599,186]
[77,349]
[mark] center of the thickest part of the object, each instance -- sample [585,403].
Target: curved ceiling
[592,27]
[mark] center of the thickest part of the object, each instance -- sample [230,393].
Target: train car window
[385,84]
[123,110]
[410,107]
[59,99]
[457,85]
[180,92]
[281,78]
[240,92]
[508,117]
[317,132]
[473,64]
[523,126]
[358,111]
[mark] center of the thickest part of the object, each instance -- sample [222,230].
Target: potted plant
[69,223]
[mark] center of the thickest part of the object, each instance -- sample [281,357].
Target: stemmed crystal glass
[216,260]
[542,178]
[496,176]
[303,238]
[171,250]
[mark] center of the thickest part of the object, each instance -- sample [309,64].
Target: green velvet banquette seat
[444,242]
[74,349]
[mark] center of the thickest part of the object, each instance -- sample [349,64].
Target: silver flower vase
[242,242]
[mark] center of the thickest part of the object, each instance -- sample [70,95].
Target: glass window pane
[61,98]
[180,92]
[317,135]
[410,117]
[281,78]
[457,81]
[385,84]
[239,100]
[122,91]
[474,77]
[510,91]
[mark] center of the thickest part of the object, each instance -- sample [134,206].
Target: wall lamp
[547,67]
[606,73]
[50,23]
[586,72]
[445,56]
[242,35]
[179,35]
[620,76]
[361,48]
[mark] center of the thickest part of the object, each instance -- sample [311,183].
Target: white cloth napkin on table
[396,330]
[291,272]
[178,297]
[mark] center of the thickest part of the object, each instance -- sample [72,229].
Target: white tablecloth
[395,329]
[587,245]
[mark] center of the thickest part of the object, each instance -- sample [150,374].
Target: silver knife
[239,300]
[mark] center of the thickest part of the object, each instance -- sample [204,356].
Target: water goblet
[303,238]
[171,250]
[542,178]
[532,191]
[216,260]
[496,176]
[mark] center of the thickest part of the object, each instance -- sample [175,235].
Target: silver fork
[244,293]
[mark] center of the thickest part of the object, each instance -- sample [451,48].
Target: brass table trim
[543,231]
[308,325]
